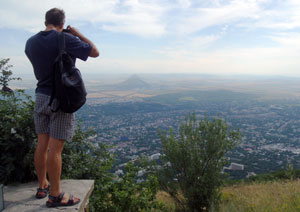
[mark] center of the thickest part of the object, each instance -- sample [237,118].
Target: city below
[127,114]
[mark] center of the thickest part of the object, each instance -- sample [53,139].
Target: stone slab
[21,197]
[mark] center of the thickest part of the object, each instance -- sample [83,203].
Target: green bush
[286,173]
[18,138]
[83,159]
[193,163]
[125,194]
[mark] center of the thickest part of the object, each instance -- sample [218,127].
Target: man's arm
[75,32]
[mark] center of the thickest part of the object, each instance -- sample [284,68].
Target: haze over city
[223,37]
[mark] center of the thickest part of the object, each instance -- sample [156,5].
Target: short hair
[55,16]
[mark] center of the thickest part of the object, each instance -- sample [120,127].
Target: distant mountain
[134,82]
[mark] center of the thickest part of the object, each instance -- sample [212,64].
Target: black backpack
[68,87]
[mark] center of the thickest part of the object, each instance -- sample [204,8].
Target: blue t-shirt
[42,49]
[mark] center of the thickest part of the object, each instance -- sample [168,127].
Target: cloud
[187,34]
[140,19]
[155,18]
[189,47]
[131,16]
[281,58]
[197,19]
[275,60]
[291,39]
[276,15]
[259,61]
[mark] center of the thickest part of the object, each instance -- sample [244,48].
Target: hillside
[277,191]
[272,196]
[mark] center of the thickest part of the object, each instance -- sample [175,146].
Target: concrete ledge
[21,198]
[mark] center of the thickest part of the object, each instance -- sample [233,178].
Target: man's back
[42,49]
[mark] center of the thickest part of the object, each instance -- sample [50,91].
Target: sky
[223,37]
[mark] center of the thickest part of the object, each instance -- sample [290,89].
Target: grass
[262,197]
[277,196]
[167,200]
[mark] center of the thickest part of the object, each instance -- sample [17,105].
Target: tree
[17,136]
[6,75]
[193,162]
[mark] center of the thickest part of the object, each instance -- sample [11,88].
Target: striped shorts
[58,125]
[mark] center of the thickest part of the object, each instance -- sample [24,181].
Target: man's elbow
[94,53]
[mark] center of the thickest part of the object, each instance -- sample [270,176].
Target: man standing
[53,128]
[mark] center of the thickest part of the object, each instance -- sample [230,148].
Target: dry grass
[262,197]
[258,197]
[166,199]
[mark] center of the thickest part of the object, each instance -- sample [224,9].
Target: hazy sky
[162,36]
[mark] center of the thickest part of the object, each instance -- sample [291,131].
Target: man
[53,128]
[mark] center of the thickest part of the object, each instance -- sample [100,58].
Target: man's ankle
[54,194]
[44,185]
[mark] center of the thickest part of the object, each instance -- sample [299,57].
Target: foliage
[82,159]
[287,173]
[6,73]
[193,162]
[126,194]
[16,129]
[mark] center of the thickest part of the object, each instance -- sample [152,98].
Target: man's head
[56,17]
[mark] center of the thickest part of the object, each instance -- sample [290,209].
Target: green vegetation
[18,138]
[273,196]
[284,174]
[194,161]
[273,192]
[83,160]
[125,194]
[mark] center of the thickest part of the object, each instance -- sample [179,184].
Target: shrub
[193,162]
[126,194]
[17,138]
[83,159]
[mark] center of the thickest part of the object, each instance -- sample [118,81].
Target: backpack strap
[53,93]
[61,42]
[61,47]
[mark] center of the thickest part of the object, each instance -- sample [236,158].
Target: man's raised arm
[75,32]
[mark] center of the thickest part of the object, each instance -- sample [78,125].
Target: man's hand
[74,31]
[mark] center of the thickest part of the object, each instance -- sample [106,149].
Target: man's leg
[54,165]
[40,159]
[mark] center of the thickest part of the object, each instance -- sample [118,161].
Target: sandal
[42,192]
[56,201]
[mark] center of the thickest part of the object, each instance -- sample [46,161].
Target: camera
[66,30]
